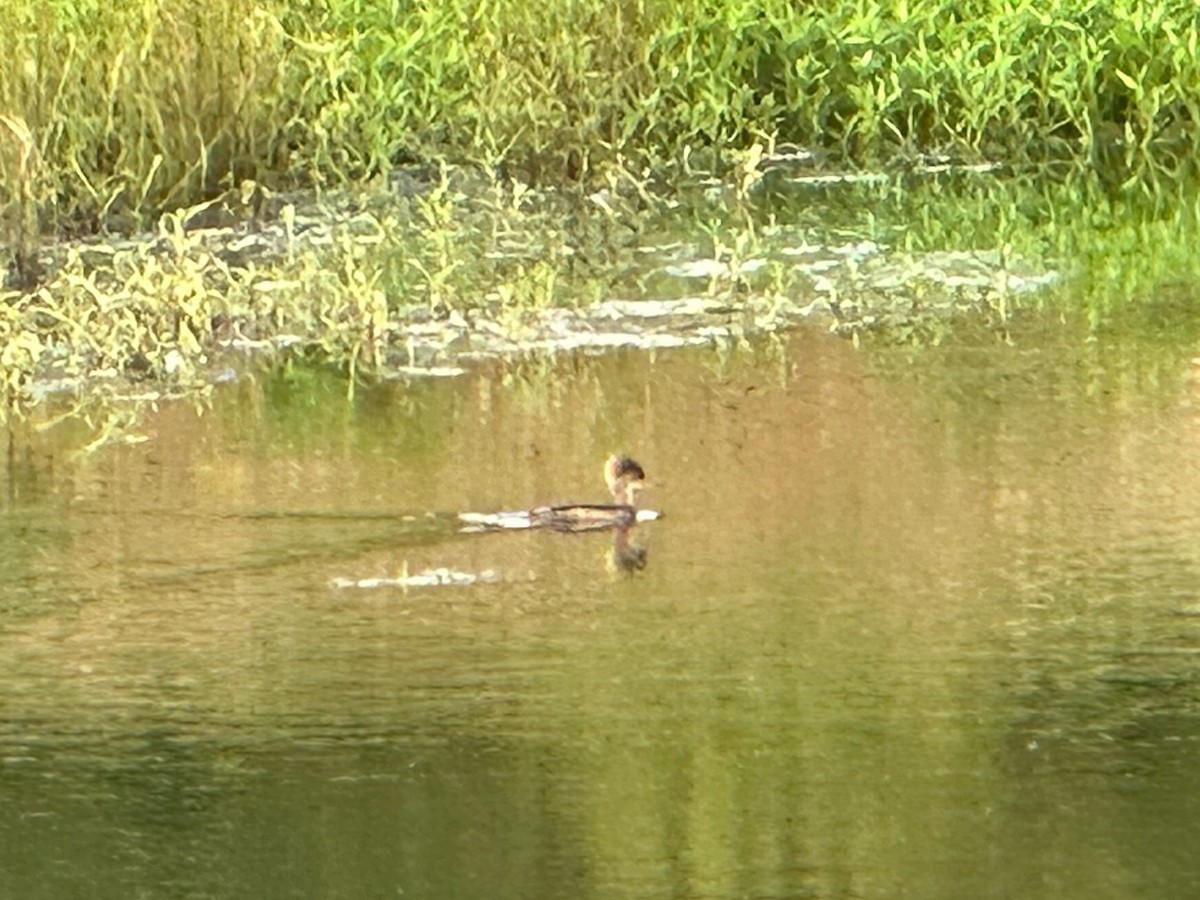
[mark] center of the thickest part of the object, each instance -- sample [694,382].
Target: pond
[914,624]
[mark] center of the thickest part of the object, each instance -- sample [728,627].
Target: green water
[913,626]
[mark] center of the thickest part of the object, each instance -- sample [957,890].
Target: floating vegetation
[431,270]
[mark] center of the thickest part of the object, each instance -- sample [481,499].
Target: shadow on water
[915,623]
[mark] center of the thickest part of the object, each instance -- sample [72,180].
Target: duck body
[590,516]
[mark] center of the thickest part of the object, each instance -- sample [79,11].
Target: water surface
[915,624]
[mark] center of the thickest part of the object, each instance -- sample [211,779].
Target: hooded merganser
[624,478]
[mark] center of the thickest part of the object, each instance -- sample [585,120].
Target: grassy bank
[122,116]
[116,111]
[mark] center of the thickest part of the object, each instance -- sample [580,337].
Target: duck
[624,477]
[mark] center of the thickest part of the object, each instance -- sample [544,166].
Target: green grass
[114,116]
[135,107]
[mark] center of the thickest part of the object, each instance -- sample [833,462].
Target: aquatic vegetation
[421,274]
[180,184]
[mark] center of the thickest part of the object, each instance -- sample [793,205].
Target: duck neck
[624,493]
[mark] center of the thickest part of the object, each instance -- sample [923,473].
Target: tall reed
[135,106]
